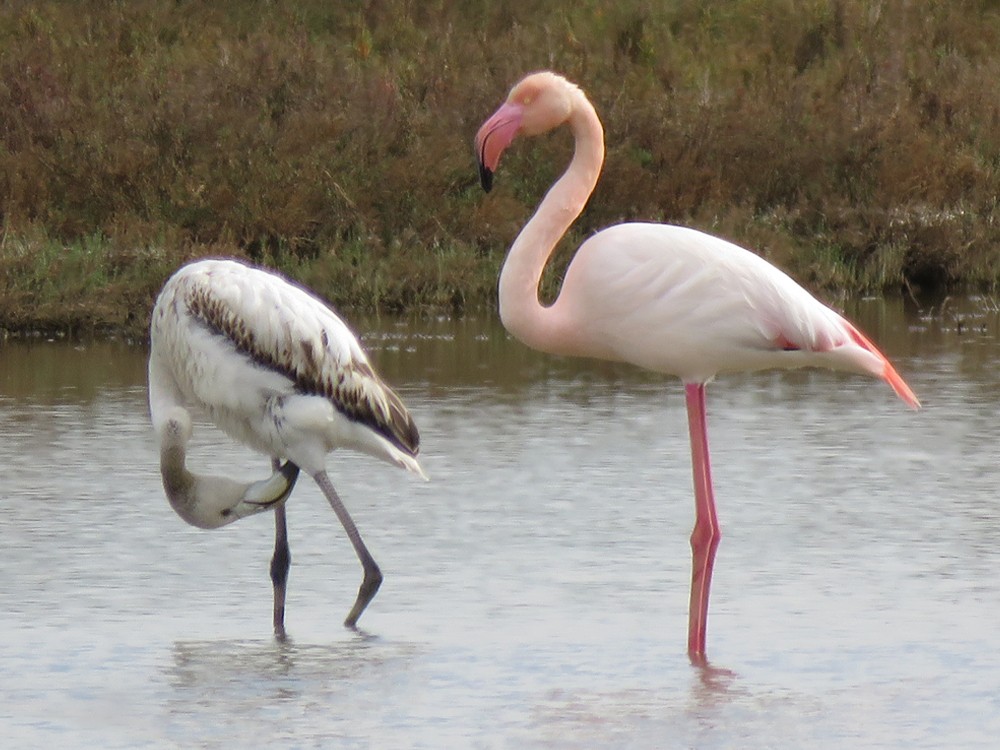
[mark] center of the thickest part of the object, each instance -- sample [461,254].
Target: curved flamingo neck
[536,325]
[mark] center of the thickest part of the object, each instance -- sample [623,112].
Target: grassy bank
[856,144]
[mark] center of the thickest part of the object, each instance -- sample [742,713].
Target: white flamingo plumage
[666,298]
[277,370]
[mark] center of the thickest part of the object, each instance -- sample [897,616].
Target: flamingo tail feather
[888,374]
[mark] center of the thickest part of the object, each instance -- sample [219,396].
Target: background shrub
[854,143]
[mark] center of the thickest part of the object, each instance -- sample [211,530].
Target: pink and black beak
[494,137]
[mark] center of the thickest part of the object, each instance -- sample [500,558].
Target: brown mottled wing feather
[359,394]
[288,330]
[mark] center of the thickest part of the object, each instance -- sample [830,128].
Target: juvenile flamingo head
[537,104]
[210,502]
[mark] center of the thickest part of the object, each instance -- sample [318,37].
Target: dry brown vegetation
[856,144]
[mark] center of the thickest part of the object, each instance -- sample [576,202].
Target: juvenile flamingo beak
[270,492]
[494,137]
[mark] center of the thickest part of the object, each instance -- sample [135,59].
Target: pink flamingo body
[666,298]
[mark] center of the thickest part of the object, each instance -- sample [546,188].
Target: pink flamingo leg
[705,537]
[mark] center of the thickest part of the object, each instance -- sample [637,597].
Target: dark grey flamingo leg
[281,561]
[373,576]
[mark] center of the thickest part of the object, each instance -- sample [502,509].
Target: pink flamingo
[667,298]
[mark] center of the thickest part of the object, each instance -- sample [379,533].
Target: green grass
[855,144]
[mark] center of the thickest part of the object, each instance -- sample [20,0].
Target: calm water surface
[536,589]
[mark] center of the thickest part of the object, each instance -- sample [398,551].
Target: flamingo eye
[524,98]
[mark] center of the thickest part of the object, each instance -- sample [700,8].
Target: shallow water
[536,589]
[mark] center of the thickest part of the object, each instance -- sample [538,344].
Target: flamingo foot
[369,587]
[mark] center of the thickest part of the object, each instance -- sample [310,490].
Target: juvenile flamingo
[666,298]
[277,370]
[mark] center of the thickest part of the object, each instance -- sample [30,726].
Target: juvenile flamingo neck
[522,314]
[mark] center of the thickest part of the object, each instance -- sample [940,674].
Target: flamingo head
[536,105]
